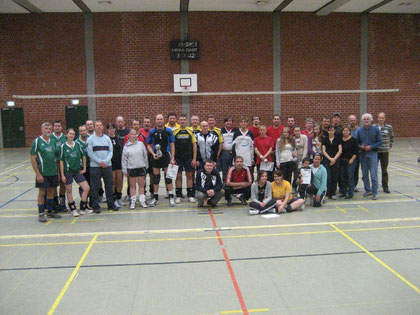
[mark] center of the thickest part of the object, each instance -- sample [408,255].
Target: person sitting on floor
[238,182]
[208,185]
[282,192]
[261,198]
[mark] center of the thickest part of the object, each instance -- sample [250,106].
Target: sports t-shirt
[255,131]
[263,145]
[274,133]
[72,157]
[279,192]
[238,176]
[58,141]
[45,152]
[228,138]
[163,137]
[174,127]
[83,146]
[116,150]
[218,133]
[184,140]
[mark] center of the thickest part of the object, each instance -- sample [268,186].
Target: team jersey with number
[45,152]
[72,157]
[184,141]
[164,137]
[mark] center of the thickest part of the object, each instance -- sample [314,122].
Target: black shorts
[79,178]
[49,182]
[184,164]
[137,172]
[116,165]
[162,162]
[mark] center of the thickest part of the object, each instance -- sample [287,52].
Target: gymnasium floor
[348,257]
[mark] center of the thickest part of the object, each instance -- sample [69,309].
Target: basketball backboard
[185,83]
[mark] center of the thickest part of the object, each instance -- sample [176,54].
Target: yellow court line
[78,220]
[377,259]
[73,274]
[210,237]
[74,220]
[49,222]
[363,208]
[204,229]
[249,311]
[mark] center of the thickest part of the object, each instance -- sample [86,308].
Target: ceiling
[328,6]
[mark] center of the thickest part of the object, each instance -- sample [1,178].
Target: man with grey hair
[369,139]
[387,134]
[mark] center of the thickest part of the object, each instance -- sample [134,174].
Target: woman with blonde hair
[286,154]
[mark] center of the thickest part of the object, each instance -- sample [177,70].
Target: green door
[13,127]
[76,116]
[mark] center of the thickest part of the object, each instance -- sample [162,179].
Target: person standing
[274,131]
[286,154]
[255,128]
[207,144]
[161,145]
[195,124]
[264,146]
[387,134]
[100,150]
[354,128]
[226,157]
[134,163]
[309,128]
[172,121]
[117,174]
[43,160]
[243,145]
[121,131]
[349,155]
[58,138]
[144,131]
[315,142]
[186,158]
[369,140]
[332,149]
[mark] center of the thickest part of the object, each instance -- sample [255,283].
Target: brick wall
[44,54]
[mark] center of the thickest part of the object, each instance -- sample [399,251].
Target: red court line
[232,274]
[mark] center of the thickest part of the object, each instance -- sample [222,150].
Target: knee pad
[156,179]
[168,181]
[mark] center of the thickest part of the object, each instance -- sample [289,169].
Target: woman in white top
[286,153]
[134,163]
[315,142]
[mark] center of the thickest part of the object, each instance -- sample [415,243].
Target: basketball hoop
[185,88]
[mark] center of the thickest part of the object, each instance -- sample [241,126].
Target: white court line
[12,169]
[404,169]
[208,229]
[206,94]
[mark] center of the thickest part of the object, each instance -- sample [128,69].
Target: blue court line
[13,199]
[408,196]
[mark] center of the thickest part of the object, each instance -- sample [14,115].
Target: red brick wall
[44,54]
[394,61]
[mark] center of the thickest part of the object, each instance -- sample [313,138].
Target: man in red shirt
[291,122]
[238,181]
[136,126]
[264,146]
[276,129]
[255,128]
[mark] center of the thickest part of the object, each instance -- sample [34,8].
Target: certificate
[306,175]
[266,166]
[172,171]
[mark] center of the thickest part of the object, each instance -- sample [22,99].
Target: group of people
[291,163]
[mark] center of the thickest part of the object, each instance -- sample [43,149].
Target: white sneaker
[102,199]
[253,212]
[171,202]
[167,195]
[138,201]
[117,204]
[191,199]
[133,203]
[178,200]
[82,212]
[121,203]
[334,197]
[88,211]
[74,213]
[153,203]
[143,204]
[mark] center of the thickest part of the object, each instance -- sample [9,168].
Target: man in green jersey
[58,138]
[43,160]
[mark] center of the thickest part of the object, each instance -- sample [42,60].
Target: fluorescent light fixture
[74,102]
[10,103]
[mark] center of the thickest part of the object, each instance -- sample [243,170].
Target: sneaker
[229,202]
[102,199]
[53,215]
[143,204]
[117,204]
[341,195]
[333,197]
[42,218]
[88,211]
[172,202]
[374,197]
[113,208]
[191,199]
[367,194]
[133,203]
[74,213]
[121,203]
[177,200]
[153,202]
[253,211]
[211,204]
[138,201]
[97,211]
[386,190]
[242,200]
[167,195]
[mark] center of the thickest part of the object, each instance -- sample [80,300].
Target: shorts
[116,165]
[184,164]
[162,162]
[78,178]
[49,182]
[293,200]
[136,172]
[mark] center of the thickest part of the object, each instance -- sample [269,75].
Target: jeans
[369,164]
[96,173]
[347,177]
[383,157]
[355,165]
[200,196]
[225,160]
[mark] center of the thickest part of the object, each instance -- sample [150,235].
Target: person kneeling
[238,182]
[261,199]
[318,186]
[282,192]
[208,185]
